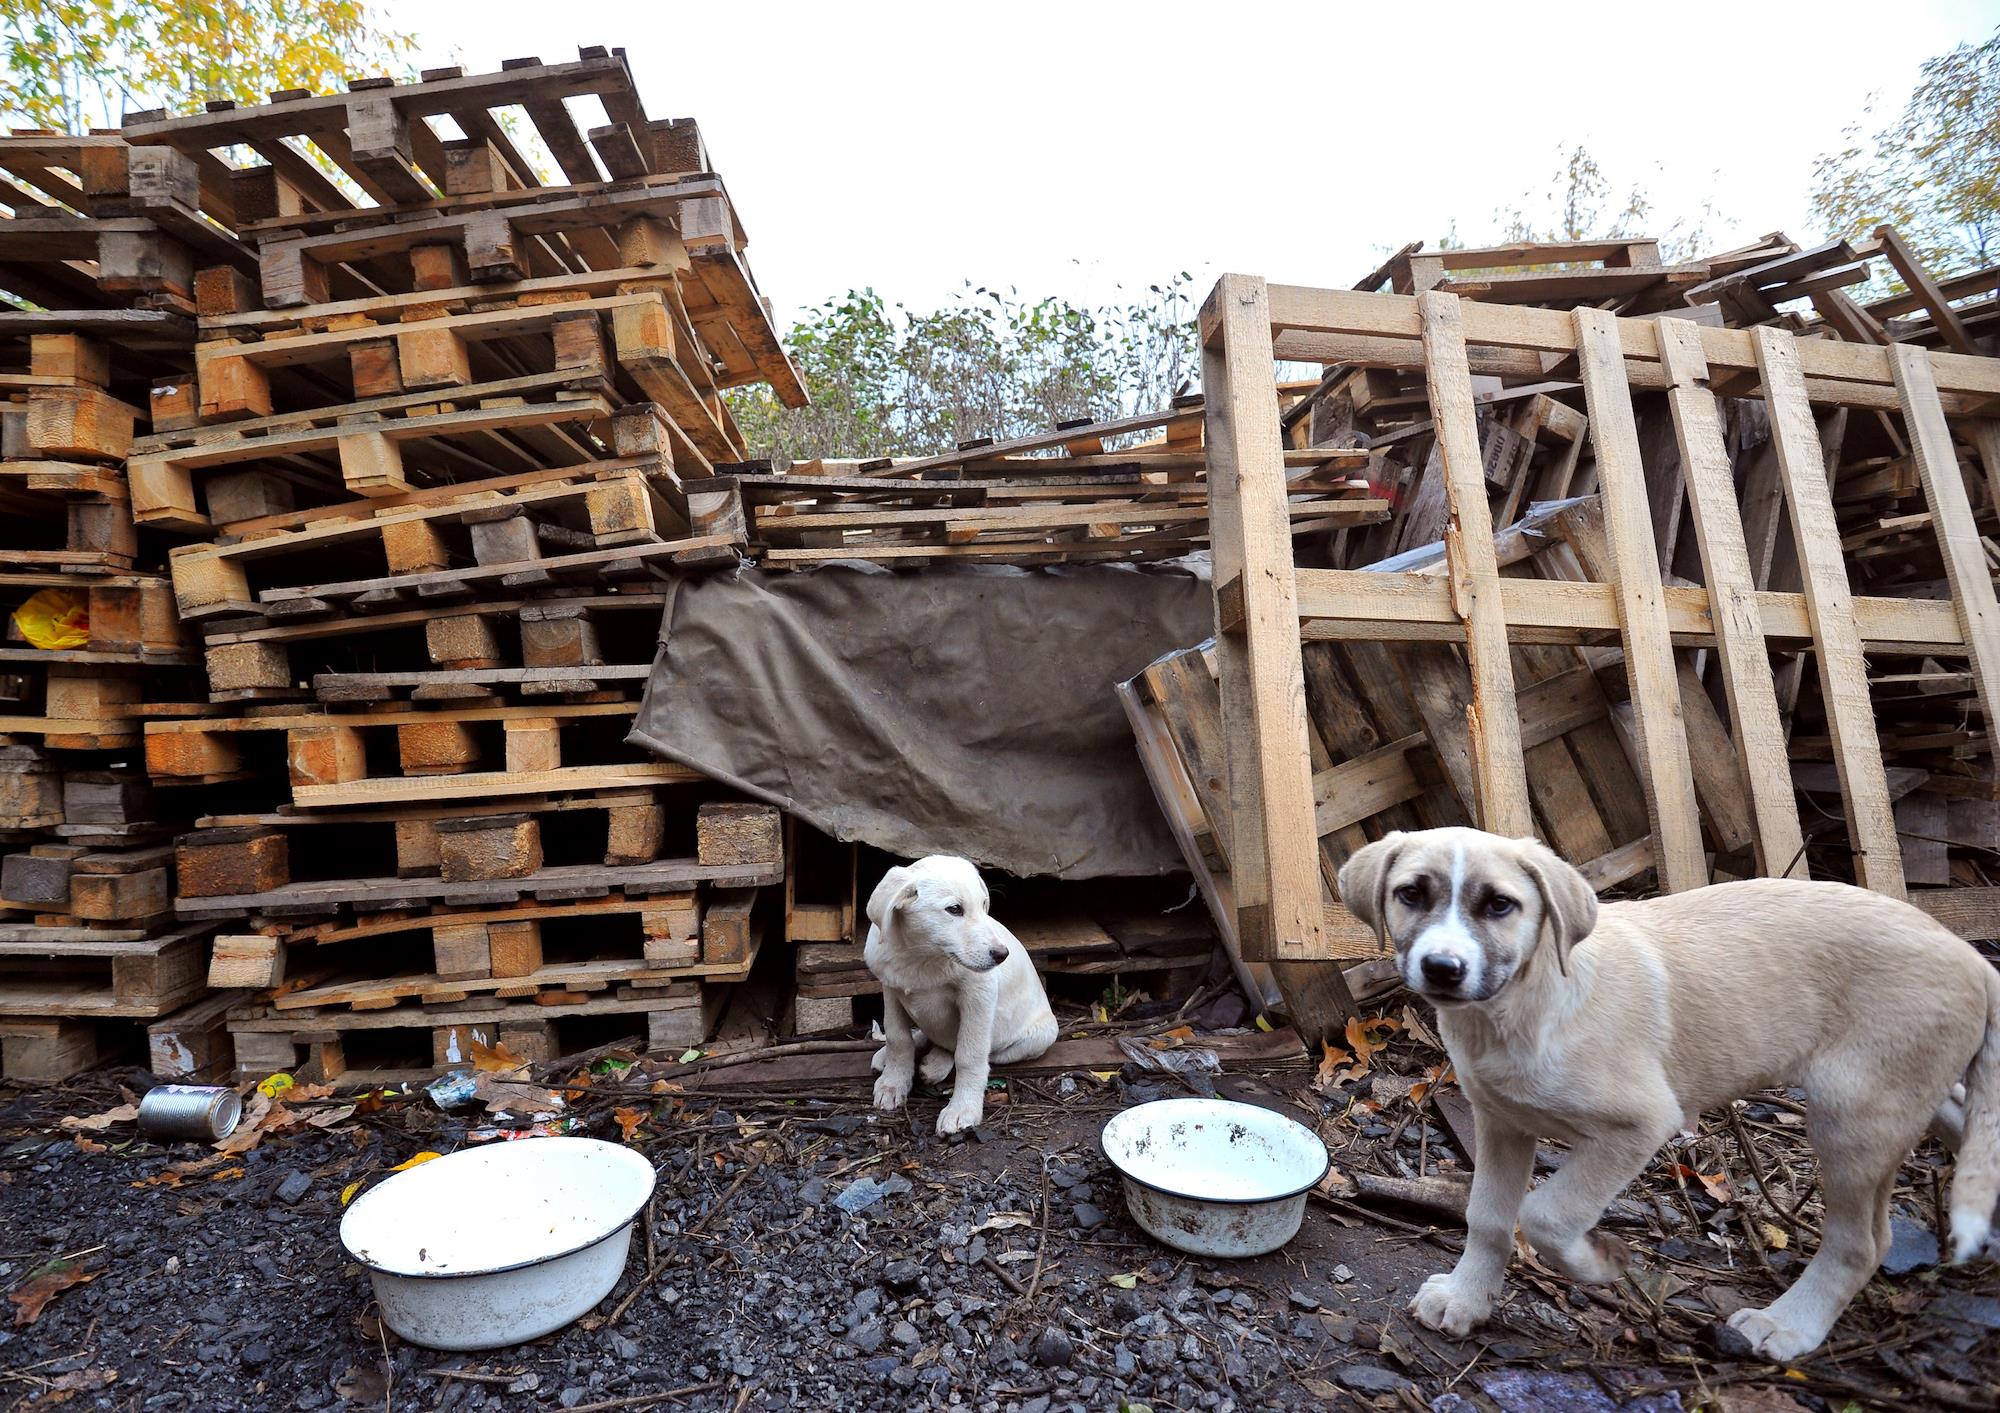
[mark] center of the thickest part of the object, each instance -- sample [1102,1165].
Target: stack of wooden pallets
[98,253]
[441,440]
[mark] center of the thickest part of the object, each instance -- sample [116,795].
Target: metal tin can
[195,1111]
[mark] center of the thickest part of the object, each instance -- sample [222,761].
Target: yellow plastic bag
[54,619]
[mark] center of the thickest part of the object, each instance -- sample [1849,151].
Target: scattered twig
[1001,1271]
[1041,1246]
[604,1405]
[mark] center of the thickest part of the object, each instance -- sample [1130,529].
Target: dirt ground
[803,1252]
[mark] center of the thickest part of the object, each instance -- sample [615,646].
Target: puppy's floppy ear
[890,893]
[1569,907]
[1364,883]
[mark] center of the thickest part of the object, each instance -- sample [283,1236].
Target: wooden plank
[1951,512]
[1744,656]
[1943,317]
[1665,773]
[1493,722]
[1857,749]
[1273,851]
[1362,604]
[479,783]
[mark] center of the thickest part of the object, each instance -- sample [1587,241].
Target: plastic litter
[54,619]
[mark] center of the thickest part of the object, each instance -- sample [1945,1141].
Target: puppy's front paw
[961,1114]
[1447,1305]
[936,1066]
[879,1060]
[890,1092]
[1773,1338]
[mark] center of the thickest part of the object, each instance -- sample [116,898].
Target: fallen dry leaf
[496,1058]
[89,1145]
[1435,1078]
[628,1121]
[63,1387]
[1329,1066]
[97,1123]
[1367,1037]
[44,1286]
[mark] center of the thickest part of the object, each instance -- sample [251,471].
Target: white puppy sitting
[964,980]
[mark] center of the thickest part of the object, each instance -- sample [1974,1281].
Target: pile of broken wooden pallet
[1688,581]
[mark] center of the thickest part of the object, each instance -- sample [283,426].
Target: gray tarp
[965,710]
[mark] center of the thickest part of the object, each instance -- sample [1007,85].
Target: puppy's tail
[1975,1188]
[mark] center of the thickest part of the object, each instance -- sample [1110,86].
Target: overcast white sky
[1067,148]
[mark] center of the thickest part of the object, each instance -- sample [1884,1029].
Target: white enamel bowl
[1214,1177]
[497,1245]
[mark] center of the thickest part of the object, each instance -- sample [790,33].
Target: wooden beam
[1665,772]
[1857,749]
[1951,512]
[1499,772]
[1273,847]
[1744,656]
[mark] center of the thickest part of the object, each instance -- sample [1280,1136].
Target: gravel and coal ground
[805,1252]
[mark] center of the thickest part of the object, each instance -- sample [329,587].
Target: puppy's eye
[1411,895]
[1500,905]
[955,909]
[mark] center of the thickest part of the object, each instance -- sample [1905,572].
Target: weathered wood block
[507,541]
[175,405]
[131,618]
[438,267]
[462,640]
[474,167]
[106,797]
[191,755]
[436,747]
[814,1015]
[219,863]
[555,635]
[579,344]
[414,547]
[621,512]
[434,357]
[416,848]
[534,743]
[38,878]
[677,1027]
[325,755]
[489,846]
[87,694]
[222,289]
[242,667]
[120,897]
[204,580]
[248,495]
[530,1041]
[80,422]
[735,833]
[262,1052]
[516,947]
[193,1043]
[163,978]
[460,949]
[31,789]
[634,834]
[43,1049]
[69,356]
[727,938]
[251,960]
[232,387]
[101,525]
[646,243]
[375,369]
[144,262]
[371,464]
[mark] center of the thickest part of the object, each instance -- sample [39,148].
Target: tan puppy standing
[1613,1027]
[964,980]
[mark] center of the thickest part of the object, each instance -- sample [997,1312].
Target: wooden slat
[1499,772]
[1273,851]
[1943,317]
[1665,771]
[1732,595]
[1850,715]
[1951,512]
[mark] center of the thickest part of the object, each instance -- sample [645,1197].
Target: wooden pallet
[595,646]
[378,1047]
[1262,601]
[447,544]
[54,973]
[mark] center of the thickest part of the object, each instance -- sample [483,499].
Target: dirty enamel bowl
[1213,1177]
[494,1246]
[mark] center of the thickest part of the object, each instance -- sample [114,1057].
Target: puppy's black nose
[999,955]
[1444,969]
